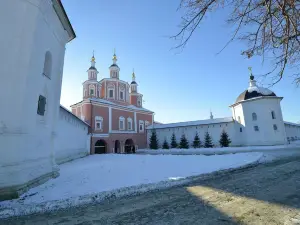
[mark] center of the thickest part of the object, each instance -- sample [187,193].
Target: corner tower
[258,114]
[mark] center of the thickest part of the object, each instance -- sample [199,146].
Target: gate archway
[117,146]
[129,146]
[100,147]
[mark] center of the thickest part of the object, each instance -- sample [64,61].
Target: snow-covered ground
[294,146]
[85,180]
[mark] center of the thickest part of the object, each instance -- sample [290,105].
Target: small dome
[114,65]
[254,92]
[133,82]
[92,68]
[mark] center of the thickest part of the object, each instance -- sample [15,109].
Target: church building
[256,120]
[114,110]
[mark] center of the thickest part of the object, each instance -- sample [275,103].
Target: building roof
[192,123]
[64,19]
[68,111]
[104,101]
[254,92]
[133,82]
[92,68]
[293,124]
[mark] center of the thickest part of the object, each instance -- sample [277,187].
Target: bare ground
[265,194]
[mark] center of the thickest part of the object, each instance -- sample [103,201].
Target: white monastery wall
[292,131]
[26,152]
[72,140]
[214,130]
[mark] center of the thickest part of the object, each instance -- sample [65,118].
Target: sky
[177,85]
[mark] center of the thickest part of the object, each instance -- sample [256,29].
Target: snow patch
[100,177]
[262,90]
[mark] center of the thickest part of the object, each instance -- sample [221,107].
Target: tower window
[47,65]
[41,105]
[92,92]
[254,116]
[241,129]
[256,128]
[275,127]
[273,115]
[111,93]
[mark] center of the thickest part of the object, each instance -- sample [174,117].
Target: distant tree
[224,139]
[165,145]
[173,141]
[207,141]
[153,140]
[197,142]
[183,142]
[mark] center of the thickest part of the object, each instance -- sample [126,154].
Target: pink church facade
[114,110]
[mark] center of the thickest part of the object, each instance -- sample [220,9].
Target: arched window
[147,123]
[111,91]
[121,123]
[273,115]
[98,123]
[92,90]
[47,65]
[122,93]
[139,101]
[254,116]
[141,126]
[129,123]
[239,119]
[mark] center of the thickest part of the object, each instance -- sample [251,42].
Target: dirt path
[266,194]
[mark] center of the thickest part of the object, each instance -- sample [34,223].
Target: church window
[147,123]
[241,129]
[256,128]
[98,123]
[275,127]
[47,65]
[273,115]
[239,119]
[111,93]
[141,126]
[129,123]
[92,92]
[121,123]
[122,95]
[41,105]
[254,116]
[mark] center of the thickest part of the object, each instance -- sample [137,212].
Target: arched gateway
[117,146]
[129,146]
[100,147]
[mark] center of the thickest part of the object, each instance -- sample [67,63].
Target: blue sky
[176,86]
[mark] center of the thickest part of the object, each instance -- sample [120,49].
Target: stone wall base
[12,192]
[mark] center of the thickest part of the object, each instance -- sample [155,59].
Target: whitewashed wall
[214,130]
[72,140]
[28,30]
[292,131]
